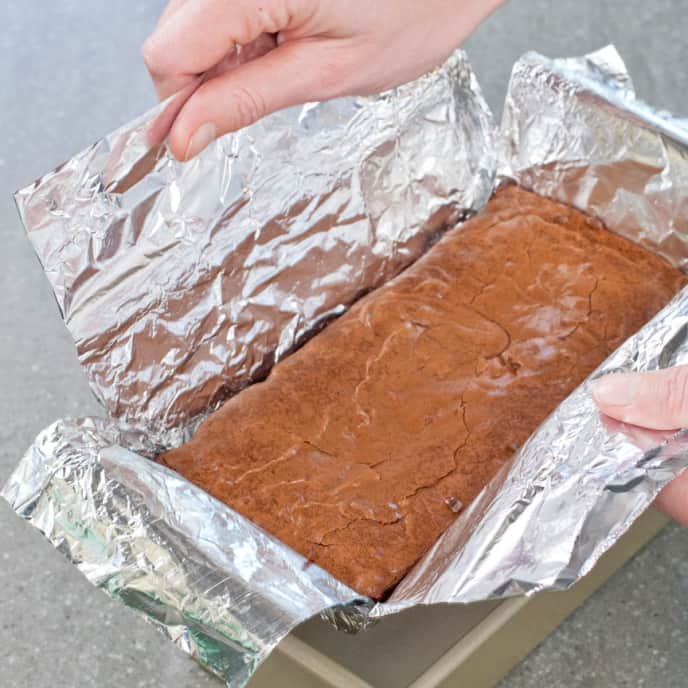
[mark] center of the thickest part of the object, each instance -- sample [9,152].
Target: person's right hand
[657,400]
[303,50]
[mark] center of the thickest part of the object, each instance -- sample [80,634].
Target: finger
[643,438]
[172,7]
[158,129]
[291,74]
[200,33]
[673,499]
[245,53]
[165,88]
[160,126]
[657,400]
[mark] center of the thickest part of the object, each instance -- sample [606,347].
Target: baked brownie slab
[360,449]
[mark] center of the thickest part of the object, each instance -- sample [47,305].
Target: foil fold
[183,283]
[573,130]
[221,588]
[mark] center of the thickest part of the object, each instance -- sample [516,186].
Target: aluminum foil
[182,283]
[573,130]
[570,493]
[221,588]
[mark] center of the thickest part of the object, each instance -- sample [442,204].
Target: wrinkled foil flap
[572,130]
[181,284]
[221,588]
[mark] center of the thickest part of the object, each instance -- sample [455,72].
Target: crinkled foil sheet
[183,283]
[573,130]
[150,539]
[221,588]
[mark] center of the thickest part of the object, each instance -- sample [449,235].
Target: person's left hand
[656,400]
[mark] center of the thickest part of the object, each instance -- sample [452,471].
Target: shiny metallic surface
[572,130]
[143,268]
[183,283]
[222,589]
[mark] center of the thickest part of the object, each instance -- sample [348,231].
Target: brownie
[360,448]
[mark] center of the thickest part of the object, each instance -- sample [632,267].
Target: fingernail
[615,390]
[200,140]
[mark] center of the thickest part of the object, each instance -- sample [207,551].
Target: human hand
[656,400]
[293,51]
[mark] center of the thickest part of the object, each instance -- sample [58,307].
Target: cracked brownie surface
[360,449]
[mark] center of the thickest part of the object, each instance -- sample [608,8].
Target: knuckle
[249,106]
[152,56]
[274,16]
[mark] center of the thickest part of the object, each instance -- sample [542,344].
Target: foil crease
[221,588]
[183,283]
[569,494]
[573,130]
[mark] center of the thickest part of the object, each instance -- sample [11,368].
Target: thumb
[657,400]
[288,75]
[673,499]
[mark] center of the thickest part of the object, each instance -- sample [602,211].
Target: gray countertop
[71,72]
